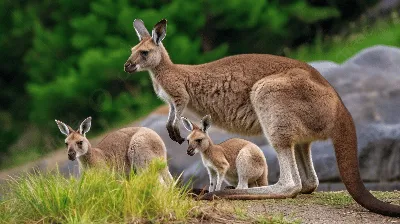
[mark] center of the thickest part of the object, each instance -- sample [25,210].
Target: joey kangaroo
[125,149]
[287,100]
[235,161]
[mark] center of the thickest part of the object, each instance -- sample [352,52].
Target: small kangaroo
[125,149]
[236,161]
[287,100]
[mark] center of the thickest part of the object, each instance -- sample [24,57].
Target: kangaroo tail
[345,142]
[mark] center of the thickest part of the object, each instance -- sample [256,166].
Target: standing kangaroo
[287,100]
[236,161]
[125,149]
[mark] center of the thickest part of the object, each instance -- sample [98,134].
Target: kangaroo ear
[140,29]
[65,129]
[187,124]
[85,126]
[206,123]
[159,31]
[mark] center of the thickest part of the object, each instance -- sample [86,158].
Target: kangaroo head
[76,141]
[198,138]
[148,53]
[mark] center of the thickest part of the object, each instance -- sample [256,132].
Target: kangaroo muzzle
[130,67]
[190,151]
[71,155]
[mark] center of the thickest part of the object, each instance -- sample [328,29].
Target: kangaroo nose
[190,151]
[127,64]
[129,67]
[71,155]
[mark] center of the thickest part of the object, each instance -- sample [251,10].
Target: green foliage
[80,63]
[99,196]
[339,49]
[265,26]
[64,59]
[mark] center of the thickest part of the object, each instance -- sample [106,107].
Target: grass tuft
[99,196]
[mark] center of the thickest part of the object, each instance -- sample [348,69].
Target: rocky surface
[369,85]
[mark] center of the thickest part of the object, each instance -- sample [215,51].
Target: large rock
[369,85]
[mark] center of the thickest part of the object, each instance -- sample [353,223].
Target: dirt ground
[332,208]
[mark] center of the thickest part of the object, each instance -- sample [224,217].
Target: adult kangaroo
[287,100]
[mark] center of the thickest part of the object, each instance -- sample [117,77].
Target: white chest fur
[158,89]
[207,163]
[162,94]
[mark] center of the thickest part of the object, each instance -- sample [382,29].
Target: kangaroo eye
[79,143]
[66,143]
[198,141]
[144,53]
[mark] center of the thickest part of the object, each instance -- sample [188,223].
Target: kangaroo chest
[230,176]
[207,163]
[159,90]
[162,94]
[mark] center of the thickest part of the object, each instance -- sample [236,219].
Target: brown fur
[237,161]
[124,149]
[286,100]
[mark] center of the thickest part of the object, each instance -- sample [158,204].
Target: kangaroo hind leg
[309,179]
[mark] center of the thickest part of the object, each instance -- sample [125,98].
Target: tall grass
[99,196]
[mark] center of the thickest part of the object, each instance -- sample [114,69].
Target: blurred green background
[64,59]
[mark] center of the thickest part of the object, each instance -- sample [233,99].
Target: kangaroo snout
[190,151]
[71,155]
[129,67]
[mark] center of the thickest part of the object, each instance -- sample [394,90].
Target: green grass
[336,199]
[339,49]
[99,196]
[240,212]
[104,196]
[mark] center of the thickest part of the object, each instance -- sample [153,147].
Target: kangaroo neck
[164,65]
[208,153]
[89,158]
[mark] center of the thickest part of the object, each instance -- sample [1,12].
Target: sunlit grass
[99,196]
[104,196]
